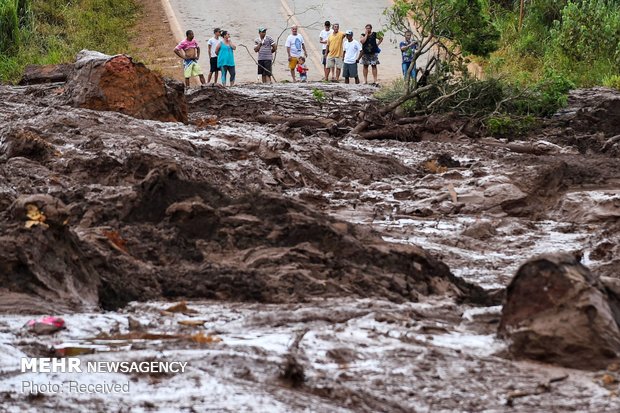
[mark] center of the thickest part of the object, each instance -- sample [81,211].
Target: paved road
[242,19]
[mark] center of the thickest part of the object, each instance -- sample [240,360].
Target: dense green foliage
[529,65]
[53,31]
[9,26]
[576,39]
[472,28]
[463,23]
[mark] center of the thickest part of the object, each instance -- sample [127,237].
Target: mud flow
[316,267]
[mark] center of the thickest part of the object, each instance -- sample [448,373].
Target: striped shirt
[264,53]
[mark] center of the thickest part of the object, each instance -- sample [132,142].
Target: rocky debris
[41,256]
[594,109]
[117,83]
[557,311]
[36,74]
[187,212]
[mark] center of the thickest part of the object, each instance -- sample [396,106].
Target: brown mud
[265,198]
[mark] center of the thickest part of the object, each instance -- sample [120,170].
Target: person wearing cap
[294,46]
[212,44]
[189,51]
[370,56]
[352,53]
[265,46]
[334,52]
[323,36]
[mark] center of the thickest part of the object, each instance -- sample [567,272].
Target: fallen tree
[443,29]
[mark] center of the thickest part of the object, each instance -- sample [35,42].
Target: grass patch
[53,31]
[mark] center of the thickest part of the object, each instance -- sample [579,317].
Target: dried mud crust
[155,210]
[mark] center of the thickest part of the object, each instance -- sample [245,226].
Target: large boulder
[556,311]
[117,83]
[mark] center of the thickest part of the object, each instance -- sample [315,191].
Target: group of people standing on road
[341,55]
[221,57]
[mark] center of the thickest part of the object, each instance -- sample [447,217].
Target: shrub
[505,126]
[612,81]
[9,27]
[589,30]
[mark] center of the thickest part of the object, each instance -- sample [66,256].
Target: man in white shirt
[294,46]
[212,44]
[323,40]
[352,53]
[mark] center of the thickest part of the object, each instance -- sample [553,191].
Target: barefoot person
[226,58]
[189,51]
[370,56]
[265,46]
[294,47]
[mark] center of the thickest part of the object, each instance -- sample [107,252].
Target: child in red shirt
[302,69]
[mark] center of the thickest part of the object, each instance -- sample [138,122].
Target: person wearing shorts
[212,44]
[265,46]
[294,47]
[323,36]
[189,51]
[334,52]
[352,52]
[370,57]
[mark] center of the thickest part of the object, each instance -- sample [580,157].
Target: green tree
[589,30]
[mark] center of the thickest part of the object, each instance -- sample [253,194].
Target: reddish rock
[117,83]
[556,311]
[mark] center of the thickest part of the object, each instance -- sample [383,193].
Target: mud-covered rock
[36,74]
[46,263]
[22,142]
[557,311]
[54,210]
[117,83]
[595,109]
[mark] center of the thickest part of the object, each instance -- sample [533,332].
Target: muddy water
[357,355]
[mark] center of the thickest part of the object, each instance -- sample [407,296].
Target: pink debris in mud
[45,325]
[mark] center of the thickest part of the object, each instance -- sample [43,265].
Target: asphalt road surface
[242,19]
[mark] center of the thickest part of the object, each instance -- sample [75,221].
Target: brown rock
[36,74]
[117,83]
[556,311]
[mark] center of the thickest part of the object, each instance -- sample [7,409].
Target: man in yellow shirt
[335,52]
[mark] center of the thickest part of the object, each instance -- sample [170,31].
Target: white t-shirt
[351,50]
[295,42]
[213,42]
[323,37]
